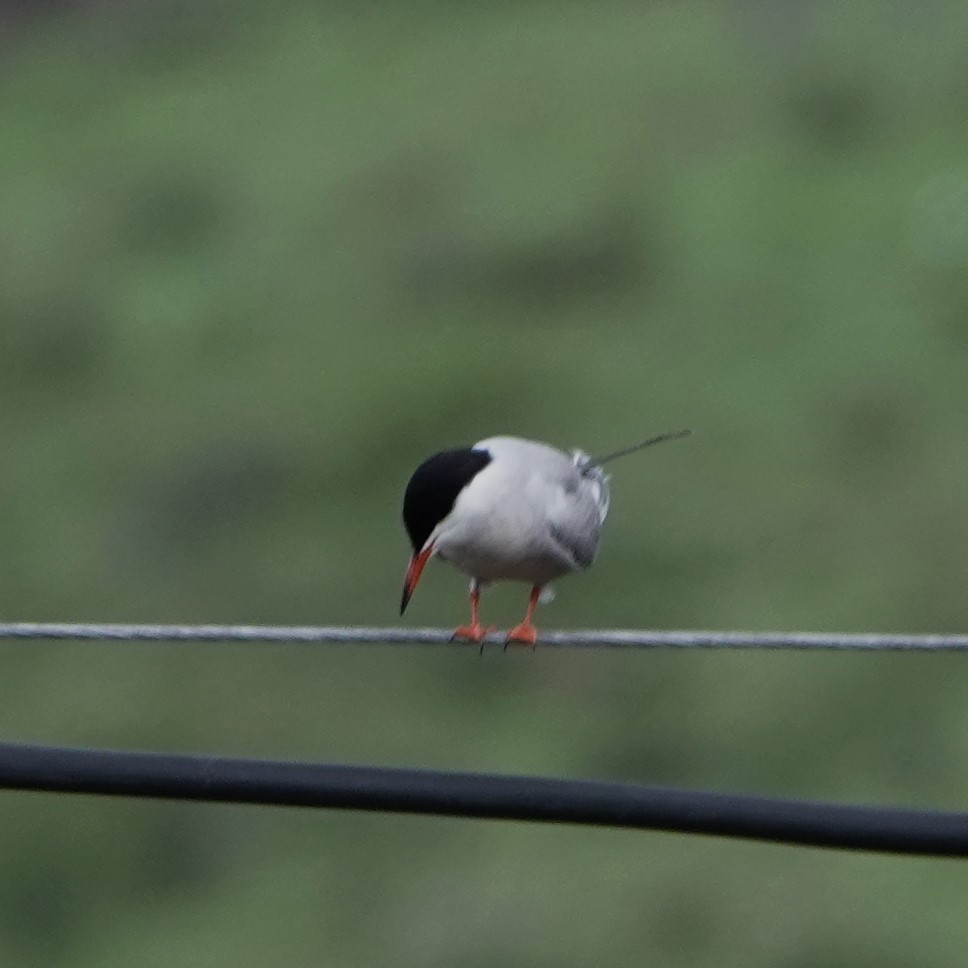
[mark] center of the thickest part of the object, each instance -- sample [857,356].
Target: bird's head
[429,499]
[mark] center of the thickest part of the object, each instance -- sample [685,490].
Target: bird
[508,509]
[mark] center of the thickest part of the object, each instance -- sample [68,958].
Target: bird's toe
[472,633]
[523,634]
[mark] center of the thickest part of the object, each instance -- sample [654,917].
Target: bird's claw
[523,634]
[473,633]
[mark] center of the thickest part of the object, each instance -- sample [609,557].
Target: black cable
[483,796]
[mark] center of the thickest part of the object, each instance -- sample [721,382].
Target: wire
[482,796]
[593,638]
[471,795]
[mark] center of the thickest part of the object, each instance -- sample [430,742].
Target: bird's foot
[472,633]
[523,634]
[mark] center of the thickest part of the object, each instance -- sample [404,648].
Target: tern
[508,509]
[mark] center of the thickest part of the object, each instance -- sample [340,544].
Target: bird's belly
[507,561]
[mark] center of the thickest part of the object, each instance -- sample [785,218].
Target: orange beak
[414,569]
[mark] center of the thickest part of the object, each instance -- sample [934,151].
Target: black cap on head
[434,487]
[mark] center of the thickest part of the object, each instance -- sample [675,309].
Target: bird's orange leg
[474,632]
[526,633]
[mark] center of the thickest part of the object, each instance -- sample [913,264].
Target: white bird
[508,509]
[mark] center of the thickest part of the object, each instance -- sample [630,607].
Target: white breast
[530,515]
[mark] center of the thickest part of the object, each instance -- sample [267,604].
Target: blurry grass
[253,268]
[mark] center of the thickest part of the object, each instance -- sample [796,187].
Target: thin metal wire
[586,639]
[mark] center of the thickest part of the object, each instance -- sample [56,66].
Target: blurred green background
[258,260]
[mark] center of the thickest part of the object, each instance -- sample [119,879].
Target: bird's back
[556,501]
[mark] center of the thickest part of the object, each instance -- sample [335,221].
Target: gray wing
[576,523]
